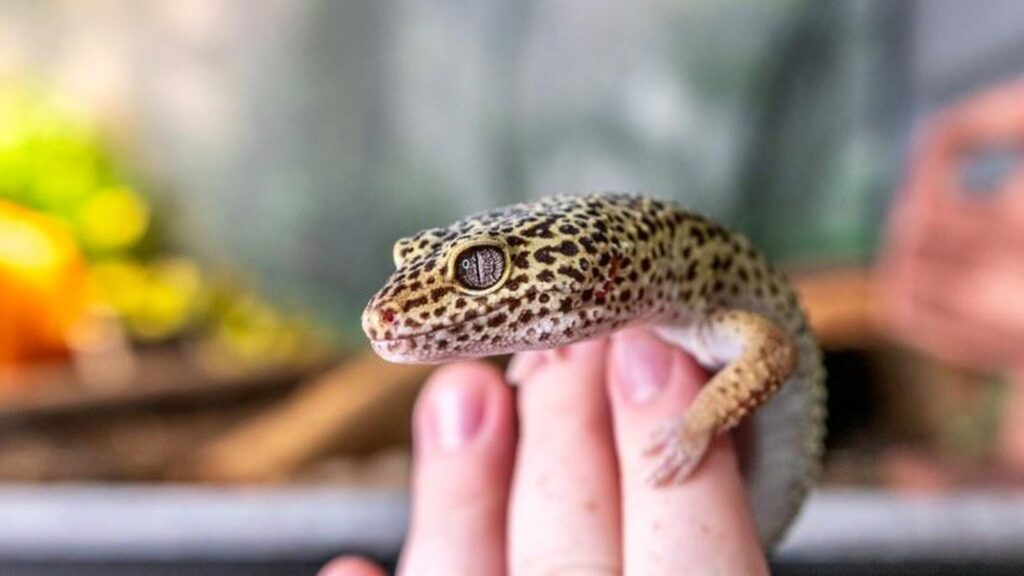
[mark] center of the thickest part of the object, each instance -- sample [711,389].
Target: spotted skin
[579,267]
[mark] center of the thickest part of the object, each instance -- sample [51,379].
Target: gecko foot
[681,449]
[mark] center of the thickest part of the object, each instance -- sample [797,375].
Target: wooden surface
[167,374]
[174,420]
[361,406]
[841,306]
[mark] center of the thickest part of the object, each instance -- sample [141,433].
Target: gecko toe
[668,468]
[681,448]
[660,438]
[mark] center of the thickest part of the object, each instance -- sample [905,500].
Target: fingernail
[642,364]
[458,413]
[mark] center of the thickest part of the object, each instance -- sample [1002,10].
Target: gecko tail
[783,459]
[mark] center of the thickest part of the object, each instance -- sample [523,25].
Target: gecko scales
[567,268]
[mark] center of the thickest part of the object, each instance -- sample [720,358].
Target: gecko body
[567,268]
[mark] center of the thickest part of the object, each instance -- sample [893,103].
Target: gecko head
[524,277]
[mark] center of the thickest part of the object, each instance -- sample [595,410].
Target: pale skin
[487,500]
[952,269]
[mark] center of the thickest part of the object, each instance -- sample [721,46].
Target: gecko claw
[681,449]
[667,468]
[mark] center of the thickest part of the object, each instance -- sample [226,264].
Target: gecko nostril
[387,316]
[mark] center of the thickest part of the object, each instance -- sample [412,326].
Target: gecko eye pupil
[480,267]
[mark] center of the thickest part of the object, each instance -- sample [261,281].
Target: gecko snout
[378,322]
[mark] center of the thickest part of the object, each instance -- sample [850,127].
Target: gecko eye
[480,267]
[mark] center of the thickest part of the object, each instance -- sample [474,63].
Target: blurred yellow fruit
[112,219]
[171,298]
[156,300]
[42,285]
[120,284]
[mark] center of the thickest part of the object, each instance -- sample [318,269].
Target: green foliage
[53,162]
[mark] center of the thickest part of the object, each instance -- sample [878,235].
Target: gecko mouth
[425,345]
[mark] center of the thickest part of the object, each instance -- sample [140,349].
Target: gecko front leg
[755,356]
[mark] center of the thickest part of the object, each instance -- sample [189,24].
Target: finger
[962,232]
[989,117]
[702,526]
[965,322]
[351,567]
[565,505]
[1013,202]
[1010,441]
[464,439]
[987,294]
[929,323]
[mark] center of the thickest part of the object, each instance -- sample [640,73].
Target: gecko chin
[403,350]
[476,337]
[453,344]
[431,348]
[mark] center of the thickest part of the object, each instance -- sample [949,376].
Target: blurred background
[197,198]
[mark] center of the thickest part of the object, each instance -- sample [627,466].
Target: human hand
[571,496]
[952,272]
